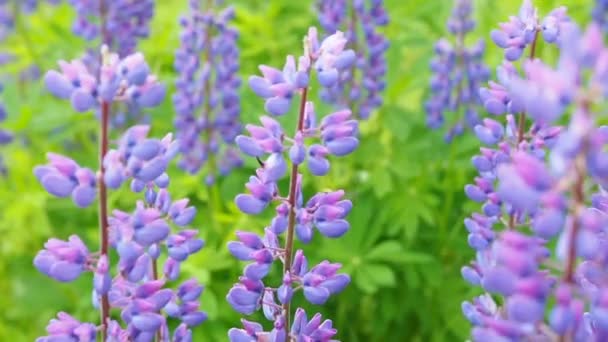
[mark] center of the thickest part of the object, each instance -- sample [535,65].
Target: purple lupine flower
[206,103]
[139,157]
[67,328]
[336,134]
[119,24]
[544,178]
[360,86]
[303,328]
[157,223]
[125,22]
[138,238]
[458,71]
[520,31]
[322,281]
[63,177]
[599,13]
[126,80]
[63,260]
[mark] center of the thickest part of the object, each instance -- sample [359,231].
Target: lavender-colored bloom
[335,134]
[120,80]
[360,86]
[520,31]
[458,71]
[599,14]
[158,223]
[63,177]
[206,103]
[63,260]
[125,22]
[139,157]
[302,329]
[67,328]
[543,178]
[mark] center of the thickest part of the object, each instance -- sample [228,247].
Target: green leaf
[386,251]
[380,275]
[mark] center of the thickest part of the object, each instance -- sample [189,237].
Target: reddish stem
[579,198]
[521,124]
[103,206]
[522,116]
[293,181]
[159,334]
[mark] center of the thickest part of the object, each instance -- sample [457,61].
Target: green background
[407,241]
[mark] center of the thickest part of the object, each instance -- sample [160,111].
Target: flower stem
[293,181]
[159,334]
[521,129]
[105,36]
[103,206]
[579,197]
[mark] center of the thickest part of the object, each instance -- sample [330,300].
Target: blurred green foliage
[407,241]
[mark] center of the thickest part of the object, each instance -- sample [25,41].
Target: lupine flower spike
[118,23]
[359,87]
[135,284]
[458,71]
[600,14]
[545,186]
[207,103]
[295,218]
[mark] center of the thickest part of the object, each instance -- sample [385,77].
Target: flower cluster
[360,86]
[599,13]
[520,31]
[206,102]
[458,71]
[548,181]
[119,80]
[63,177]
[140,158]
[137,288]
[325,211]
[120,23]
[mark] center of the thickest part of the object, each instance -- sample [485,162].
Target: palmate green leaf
[379,274]
[210,303]
[361,280]
[392,251]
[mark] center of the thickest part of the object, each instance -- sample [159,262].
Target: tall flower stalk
[137,289]
[544,186]
[325,211]
[207,103]
[360,86]
[458,71]
[118,24]
[600,14]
